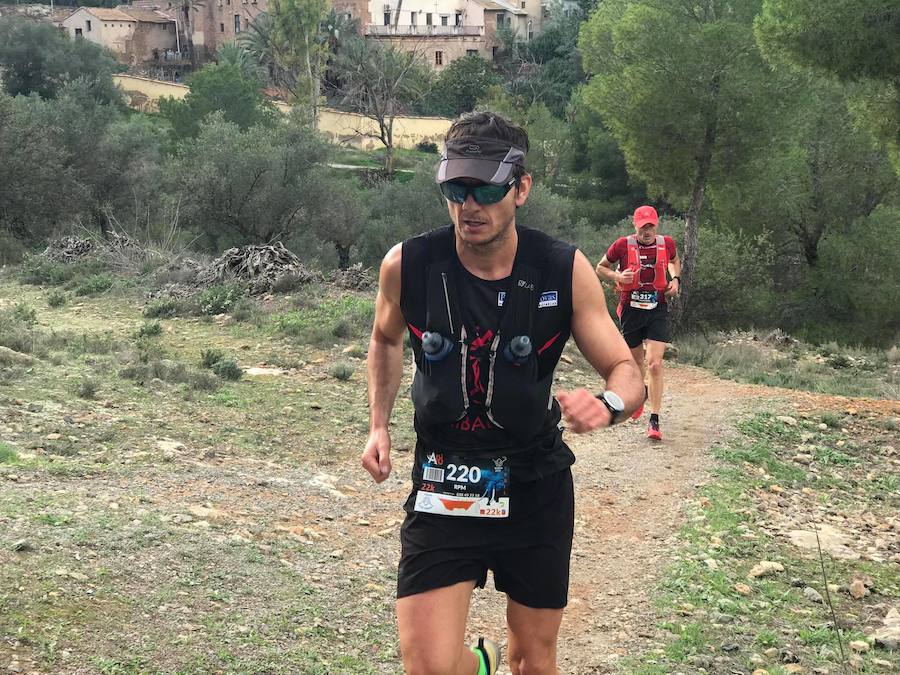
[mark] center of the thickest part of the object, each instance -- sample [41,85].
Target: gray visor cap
[489,160]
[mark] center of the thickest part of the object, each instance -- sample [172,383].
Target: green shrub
[341,371]
[210,357]
[202,381]
[288,282]
[163,308]
[161,369]
[246,310]
[228,369]
[838,361]
[95,284]
[167,308]
[88,388]
[24,313]
[92,343]
[57,299]
[38,270]
[15,332]
[220,298]
[832,419]
[149,329]
[149,350]
[8,454]
[427,146]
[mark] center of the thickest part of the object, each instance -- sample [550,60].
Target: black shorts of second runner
[528,552]
[644,324]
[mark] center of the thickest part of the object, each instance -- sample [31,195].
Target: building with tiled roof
[134,35]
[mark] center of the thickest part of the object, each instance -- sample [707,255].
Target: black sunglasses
[483,194]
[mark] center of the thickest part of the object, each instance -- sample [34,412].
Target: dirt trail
[629,497]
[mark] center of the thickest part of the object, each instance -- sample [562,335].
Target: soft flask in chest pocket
[516,399]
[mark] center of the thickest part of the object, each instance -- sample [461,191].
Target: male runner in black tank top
[492,488]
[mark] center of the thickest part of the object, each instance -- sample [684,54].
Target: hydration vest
[633,261]
[537,303]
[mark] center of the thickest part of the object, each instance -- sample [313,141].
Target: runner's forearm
[606,273]
[385,370]
[626,380]
[675,268]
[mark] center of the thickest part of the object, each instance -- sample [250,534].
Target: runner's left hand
[583,411]
[673,288]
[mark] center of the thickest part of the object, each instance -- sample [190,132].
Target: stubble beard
[488,247]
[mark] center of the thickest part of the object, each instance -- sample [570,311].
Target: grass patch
[8,454]
[149,329]
[168,308]
[773,361]
[94,285]
[333,318]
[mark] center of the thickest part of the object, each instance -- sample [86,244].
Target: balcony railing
[376,30]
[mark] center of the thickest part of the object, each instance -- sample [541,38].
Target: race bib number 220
[462,486]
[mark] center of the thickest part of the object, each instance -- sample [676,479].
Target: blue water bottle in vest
[435,346]
[518,350]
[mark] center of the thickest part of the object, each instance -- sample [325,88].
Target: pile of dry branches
[257,266]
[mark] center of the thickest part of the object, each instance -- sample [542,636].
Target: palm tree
[260,41]
[237,55]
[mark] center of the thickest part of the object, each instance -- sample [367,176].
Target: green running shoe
[489,652]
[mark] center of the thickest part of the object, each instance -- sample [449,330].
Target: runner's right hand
[625,277]
[376,458]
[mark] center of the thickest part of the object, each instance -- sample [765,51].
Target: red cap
[644,215]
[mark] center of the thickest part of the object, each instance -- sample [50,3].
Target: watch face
[614,400]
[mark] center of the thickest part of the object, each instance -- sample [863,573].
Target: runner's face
[483,224]
[647,233]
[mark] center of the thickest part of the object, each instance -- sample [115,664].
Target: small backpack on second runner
[633,260]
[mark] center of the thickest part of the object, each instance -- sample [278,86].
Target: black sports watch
[613,403]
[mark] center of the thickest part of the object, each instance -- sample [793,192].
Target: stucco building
[136,36]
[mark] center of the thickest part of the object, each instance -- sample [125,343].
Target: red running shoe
[653,431]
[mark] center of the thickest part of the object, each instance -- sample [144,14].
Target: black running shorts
[528,552]
[644,324]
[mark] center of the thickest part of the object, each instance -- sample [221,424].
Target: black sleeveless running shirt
[438,293]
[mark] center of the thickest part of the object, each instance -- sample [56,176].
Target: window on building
[439,58]
[523,4]
[445,20]
[78,33]
[413,18]
[471,52]
[237,23]
[87,24]
[427,18]
[387,18]
[458,19]
[221,27]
